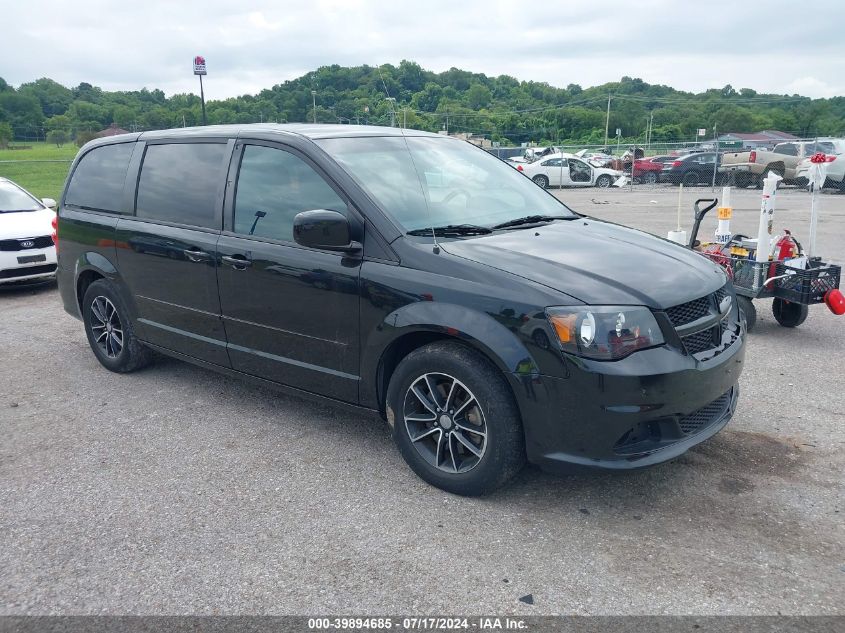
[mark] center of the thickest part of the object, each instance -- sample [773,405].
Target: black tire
[604,181]
[118,354]
[541,181]
[649,178]
[743,180]
[788,313]
[747,309]
[491,408]
[690,179]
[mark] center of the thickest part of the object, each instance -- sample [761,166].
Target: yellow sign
[725,213]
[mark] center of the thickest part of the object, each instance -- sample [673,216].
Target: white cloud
[256,44]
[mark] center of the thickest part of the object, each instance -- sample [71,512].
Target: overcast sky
[775,46]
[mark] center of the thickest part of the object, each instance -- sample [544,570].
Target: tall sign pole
[199,70]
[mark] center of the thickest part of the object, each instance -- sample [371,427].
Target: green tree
[59,137]
[478,96]
[84,137]
[6,134]
[53,97]
[21,111]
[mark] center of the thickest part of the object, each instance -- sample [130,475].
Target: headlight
[604,332]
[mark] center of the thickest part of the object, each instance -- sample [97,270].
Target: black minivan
[404,273]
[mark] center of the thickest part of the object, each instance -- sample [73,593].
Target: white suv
[27,224]
[835,170]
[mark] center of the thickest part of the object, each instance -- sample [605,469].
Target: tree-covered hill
[503,108]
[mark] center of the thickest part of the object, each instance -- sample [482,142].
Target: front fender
[473,327]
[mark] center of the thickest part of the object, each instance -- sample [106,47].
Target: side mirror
[324,229]
[49,203]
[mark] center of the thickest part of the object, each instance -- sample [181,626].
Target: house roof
[112,130]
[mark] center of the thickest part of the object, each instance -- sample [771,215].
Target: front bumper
[27,265]
[645,409]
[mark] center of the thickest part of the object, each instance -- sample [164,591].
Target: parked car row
[753,166]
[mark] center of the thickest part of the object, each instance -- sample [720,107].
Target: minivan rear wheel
[455,420]
[109,330]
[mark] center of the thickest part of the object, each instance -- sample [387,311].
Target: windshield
[439,181]
[13,198]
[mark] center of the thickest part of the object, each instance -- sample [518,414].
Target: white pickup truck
[751,167]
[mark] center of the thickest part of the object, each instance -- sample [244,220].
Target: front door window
[580,171]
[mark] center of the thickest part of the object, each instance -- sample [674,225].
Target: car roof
[309,130]
[558,155]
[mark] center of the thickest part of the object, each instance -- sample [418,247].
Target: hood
[606,170]
[597,263]
[21,224]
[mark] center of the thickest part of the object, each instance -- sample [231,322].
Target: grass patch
[39,151]
[42,179]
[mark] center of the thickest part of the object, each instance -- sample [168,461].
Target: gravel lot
[176,490]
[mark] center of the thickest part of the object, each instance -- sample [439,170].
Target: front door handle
[196,255]
[238,262]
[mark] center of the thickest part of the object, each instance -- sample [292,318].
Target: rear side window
[787,148]
[179,183]
[97,181]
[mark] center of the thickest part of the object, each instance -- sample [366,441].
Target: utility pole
[392,103]
[715,160]
[607,121]
[200,70]
[202,99]
[404,118]
[650,128]
[314,104]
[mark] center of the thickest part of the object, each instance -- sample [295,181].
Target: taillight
[677,163]
[55,234]
[519,168]
[752,157]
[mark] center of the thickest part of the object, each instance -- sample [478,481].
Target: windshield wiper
[531,219]
[452,229]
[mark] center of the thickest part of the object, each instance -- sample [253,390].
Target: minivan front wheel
[109,330]
[455,420]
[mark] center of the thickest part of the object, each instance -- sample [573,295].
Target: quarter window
[97,181]
[179,183]
[275,185]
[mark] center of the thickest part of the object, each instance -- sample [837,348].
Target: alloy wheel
[106,327]
[445,423]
